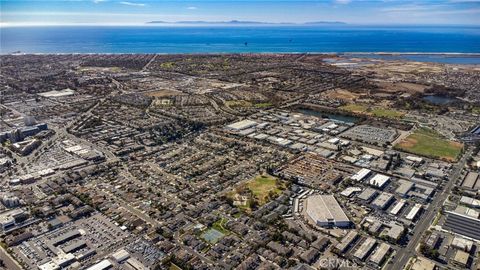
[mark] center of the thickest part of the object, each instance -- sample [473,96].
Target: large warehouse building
[325,211]
[463,224]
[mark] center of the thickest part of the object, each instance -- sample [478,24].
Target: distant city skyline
[135,12]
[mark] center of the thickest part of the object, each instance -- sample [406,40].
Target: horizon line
[227,23]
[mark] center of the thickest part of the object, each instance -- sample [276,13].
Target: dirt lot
[163,93]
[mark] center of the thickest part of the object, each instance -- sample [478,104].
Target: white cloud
[409,8]
[191,8]
[429,10]
[465,1]
[132,4]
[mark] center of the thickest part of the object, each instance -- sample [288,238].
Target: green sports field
[429,143]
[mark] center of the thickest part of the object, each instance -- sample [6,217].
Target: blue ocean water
[239,39]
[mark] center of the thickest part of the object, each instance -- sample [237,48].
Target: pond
[439,99]
[332,116]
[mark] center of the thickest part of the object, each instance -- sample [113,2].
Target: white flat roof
[379,180]
[325,208]
[397,207]
[56,93]
[360,175]
[413,213]
[101,265]
[242,124]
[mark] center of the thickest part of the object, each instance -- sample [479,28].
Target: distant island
[237,22]
[326,22]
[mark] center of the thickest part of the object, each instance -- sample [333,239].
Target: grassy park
[259,191]
[263,187]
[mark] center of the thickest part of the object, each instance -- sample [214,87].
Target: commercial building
[325,211]
[461,258]
[9,218]
[422,263]
[433,240]
[61,261]
[65,237]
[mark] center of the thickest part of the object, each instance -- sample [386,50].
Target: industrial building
[461,259]
[414,212]
[102,265]
[361,175]
[398,206]
[469,201]
[325,211]
[120,255]
[404,188]
[462,243]
[347,241]
[462,224]
[378,256]
[383,200]
[467,211]
[379,180]
[470,180]
[240,125]
[349,191]
[368,194]
[365,248]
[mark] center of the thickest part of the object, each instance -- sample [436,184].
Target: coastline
[265,53]
[447,58]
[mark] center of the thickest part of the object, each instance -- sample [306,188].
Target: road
[8,261]
[423,224]
[154,223]
[149,62]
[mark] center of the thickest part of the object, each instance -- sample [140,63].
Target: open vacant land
[429,143]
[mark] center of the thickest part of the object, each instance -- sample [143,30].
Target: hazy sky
[140,11]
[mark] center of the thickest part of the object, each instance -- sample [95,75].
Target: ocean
[243,39]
